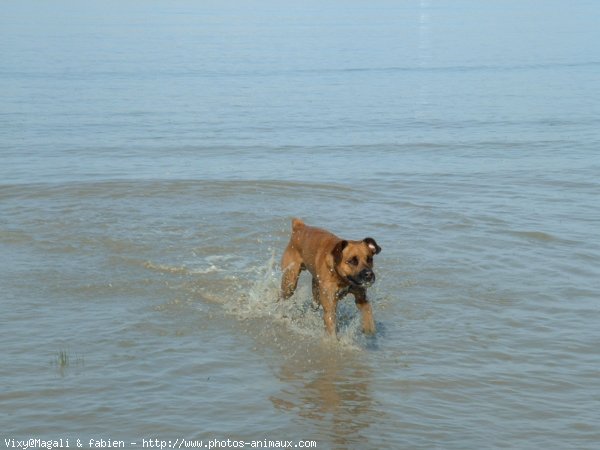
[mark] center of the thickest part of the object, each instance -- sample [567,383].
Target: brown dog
[338,267]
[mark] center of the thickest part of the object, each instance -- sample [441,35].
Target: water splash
[181,270]
[260,300]
[252,295]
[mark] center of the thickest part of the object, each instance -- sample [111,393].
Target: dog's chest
[342,292]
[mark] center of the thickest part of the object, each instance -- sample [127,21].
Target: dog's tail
[296,223]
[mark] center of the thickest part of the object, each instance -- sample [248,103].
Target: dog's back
[311,243]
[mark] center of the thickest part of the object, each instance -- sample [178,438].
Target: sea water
[152,155]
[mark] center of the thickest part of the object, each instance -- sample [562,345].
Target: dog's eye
[370,260]
[353,261]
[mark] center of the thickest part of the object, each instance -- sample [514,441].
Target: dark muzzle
[364,278]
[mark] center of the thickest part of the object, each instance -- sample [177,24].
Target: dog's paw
[369,328]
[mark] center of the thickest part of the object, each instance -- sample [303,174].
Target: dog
[338,267]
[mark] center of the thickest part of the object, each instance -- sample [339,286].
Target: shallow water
[154,154]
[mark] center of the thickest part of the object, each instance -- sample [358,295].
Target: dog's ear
[338,250]
[372,245]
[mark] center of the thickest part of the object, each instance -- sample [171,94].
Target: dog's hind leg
[291,265]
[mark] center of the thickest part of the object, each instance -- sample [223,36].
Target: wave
[204,73]
[115,189]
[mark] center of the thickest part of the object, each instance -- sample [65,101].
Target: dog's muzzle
[364,278]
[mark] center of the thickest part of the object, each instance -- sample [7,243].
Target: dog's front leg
[329,303]
[363,305]
[315,291]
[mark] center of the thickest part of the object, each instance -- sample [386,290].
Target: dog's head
[353,261]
